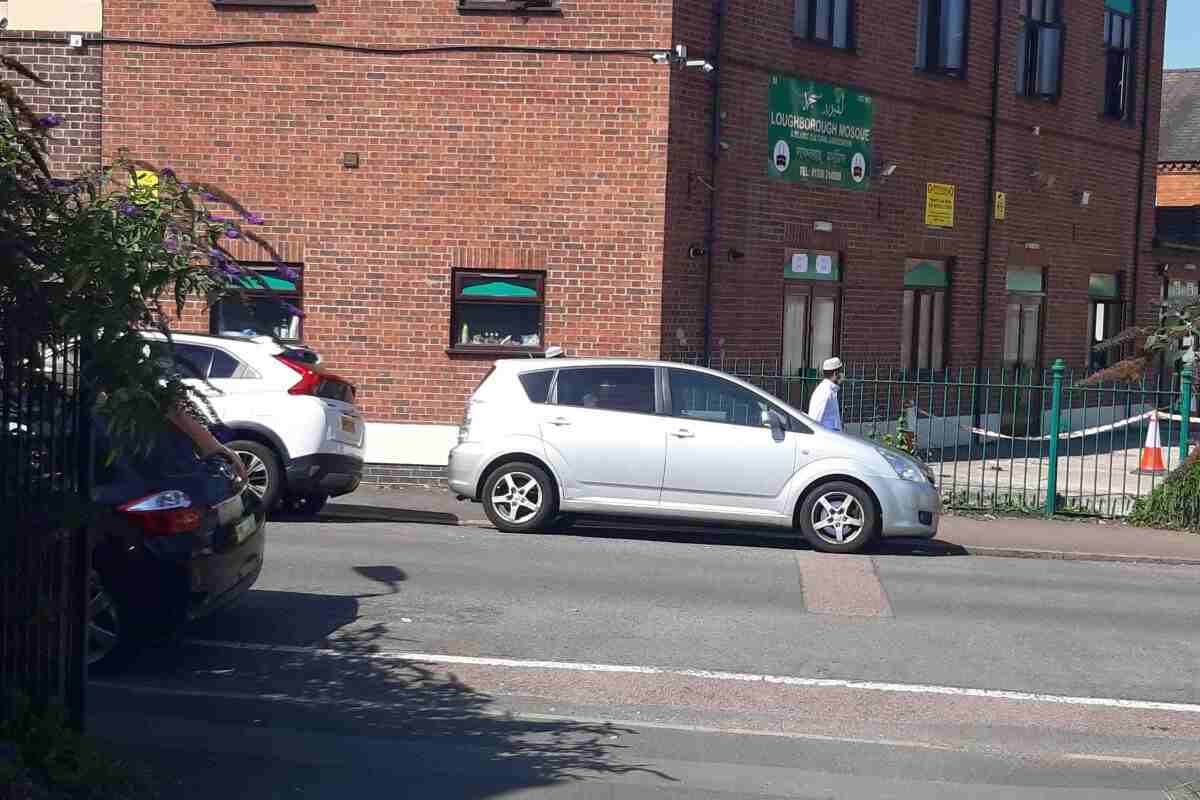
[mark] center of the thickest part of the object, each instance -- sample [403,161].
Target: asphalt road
[434,660]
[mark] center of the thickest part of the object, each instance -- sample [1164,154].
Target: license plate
[349,425]
[230,510]
[245,529]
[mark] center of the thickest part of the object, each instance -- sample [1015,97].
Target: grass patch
[1173,504]
[42,758]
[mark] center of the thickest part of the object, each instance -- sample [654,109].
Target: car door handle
[683,433]
[560,421]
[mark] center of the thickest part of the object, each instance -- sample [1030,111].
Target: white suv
[294,425]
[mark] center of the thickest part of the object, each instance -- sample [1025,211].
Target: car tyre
[520,498]
[839,517]
[263,470]
[114,635]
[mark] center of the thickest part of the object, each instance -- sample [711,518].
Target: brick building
[38,33]
[452,185]
[1177,235]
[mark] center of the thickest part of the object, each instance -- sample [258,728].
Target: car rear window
[333,389]
[537,385]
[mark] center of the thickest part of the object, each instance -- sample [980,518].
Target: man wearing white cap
[823,405]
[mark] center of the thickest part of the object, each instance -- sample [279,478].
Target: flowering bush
[94,259]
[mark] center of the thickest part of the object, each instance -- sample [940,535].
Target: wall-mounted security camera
[696,251]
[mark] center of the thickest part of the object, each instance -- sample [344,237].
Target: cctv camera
[696,252]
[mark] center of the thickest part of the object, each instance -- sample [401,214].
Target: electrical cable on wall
[234,44]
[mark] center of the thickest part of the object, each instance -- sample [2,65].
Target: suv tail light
[318,384]
[163,514]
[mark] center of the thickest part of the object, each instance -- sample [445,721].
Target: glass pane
[1098,313]
[707,397]
[795,332]
[1128,33]
[485,285]
[498,324]
[800,18]
[1024,280]
[1023,61]
[1108,20]
[1103,286]
[823,26]
[1050,12]
[258,316]
[954,19]
[1115,69]
[925,322]
[906,329]
[193,361]
[608,388]
[537,385]
[824,315]
[1037,7]
[923,35]
[937,340]
[223,365]
[841,23]
[1049,43]
[1029,336]
[922,273]
[1012,333]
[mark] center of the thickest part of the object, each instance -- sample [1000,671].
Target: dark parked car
[173,540]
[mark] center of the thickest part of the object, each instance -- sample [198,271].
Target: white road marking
[718,675]
[1141,762]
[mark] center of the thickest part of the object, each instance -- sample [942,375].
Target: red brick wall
[1178,184]
[936,129]
[548,162]
[72,91]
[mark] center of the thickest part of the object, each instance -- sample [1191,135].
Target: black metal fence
[43,489]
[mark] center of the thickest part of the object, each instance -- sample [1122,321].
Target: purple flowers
[219,220]
[208,197]
[48,121]
[168,173]
[232,233]
[251,218]
[216,256]
[232,270]
[288,274]
[291,309]
[171,245]
[60,185]
[128,209]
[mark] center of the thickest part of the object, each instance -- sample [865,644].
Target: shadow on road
[336,513]
[732,536]
[349,720]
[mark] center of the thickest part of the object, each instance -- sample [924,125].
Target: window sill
[1125,121]
[495,350]
[942,74]
[280,5]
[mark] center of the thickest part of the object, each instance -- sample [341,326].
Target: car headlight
[906,468]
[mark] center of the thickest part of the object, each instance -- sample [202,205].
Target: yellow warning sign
[939,205]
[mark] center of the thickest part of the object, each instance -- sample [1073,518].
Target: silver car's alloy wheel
[838,518]
[104,621]
[517,497]
[258,480]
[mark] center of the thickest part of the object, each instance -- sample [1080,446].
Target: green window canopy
[499,289]
[1103,287]
[1025,280]
[1122,6]
[925,274]
[270,281]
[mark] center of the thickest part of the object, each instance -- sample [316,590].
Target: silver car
[619,437]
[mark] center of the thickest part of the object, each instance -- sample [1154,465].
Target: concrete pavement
[429,659]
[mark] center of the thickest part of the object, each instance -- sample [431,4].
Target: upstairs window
[828,21]
[1039,51]
[941,36]
[1118,56]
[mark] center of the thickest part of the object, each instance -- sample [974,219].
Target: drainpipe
[710,237]
[990,190]
[1141,186]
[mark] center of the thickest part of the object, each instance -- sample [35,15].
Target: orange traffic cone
[1152,452]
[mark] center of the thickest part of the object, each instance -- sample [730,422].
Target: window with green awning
[267,305]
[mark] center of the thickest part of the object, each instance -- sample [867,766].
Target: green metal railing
[1008,439]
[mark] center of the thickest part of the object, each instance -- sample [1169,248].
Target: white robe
[823,405]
